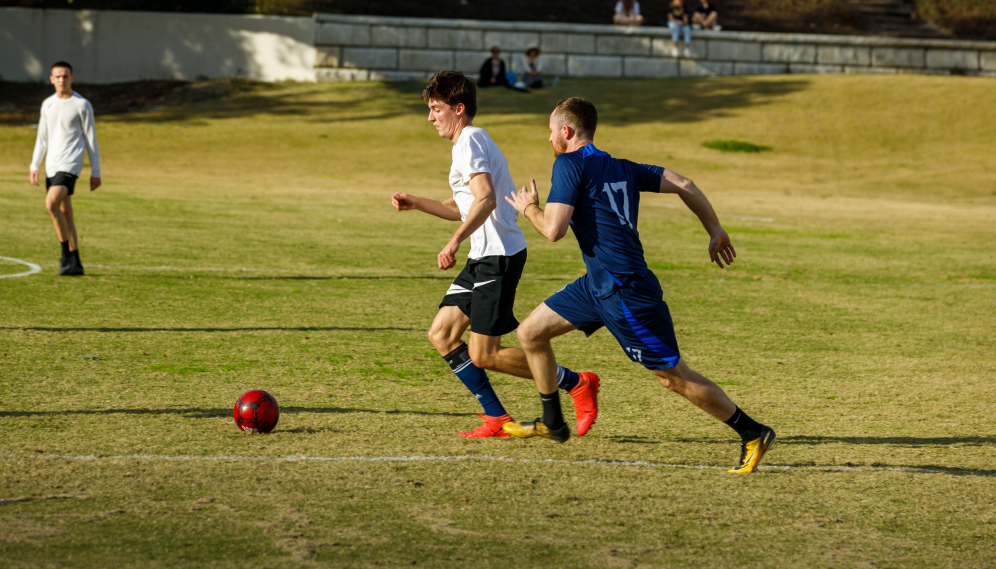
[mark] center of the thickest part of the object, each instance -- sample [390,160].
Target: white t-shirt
[621,10]
[475,152]
[64,130]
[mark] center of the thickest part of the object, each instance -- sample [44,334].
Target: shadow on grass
[246,329]
[681,100]
[202,413]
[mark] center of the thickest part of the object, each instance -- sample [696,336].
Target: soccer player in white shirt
[66,127]
[483,294]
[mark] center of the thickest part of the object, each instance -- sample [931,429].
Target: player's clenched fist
[404,202]
[447,257]
[526,196]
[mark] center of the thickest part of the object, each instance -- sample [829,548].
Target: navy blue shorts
[635,314]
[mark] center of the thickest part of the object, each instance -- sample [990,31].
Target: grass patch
[857,323]
[735,146]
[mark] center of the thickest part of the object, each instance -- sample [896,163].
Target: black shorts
[485,291]
[62,179]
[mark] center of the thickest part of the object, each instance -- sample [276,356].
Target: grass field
[249,243]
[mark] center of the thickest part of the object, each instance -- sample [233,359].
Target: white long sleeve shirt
[66,127]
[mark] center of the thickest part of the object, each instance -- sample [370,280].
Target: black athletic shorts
[485,291]
[62,179]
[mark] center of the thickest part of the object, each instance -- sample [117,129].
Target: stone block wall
[111,47]
[371,47]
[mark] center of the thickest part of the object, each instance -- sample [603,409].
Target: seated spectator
[493,71]
[533,76]
[677,20]
[706,16]
[627,13]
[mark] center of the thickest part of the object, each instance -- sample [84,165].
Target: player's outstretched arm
[447,210]
[484,203]
[720,247]
[552,222]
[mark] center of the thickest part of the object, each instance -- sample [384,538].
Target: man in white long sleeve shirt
[66,127]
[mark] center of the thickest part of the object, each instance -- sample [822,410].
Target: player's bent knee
[484,357]
[437,337]
[670,378]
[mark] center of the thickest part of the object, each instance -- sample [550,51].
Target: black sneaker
[66,264]
[75,269]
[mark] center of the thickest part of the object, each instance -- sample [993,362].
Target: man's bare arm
[720,248]
[552,222]
[484,203]
[447,210]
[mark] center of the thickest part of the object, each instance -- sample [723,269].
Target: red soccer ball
[256,412]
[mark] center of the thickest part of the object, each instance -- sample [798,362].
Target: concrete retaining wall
[370,47]
[110,47]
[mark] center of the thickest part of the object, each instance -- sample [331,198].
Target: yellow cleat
[752,452]
[526,429]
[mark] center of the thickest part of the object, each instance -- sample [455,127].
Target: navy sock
[65,249]
[567,379]
[76,255]
[476,380]
[553,415]
[747,428]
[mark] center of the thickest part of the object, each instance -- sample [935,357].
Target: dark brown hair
[61,64]
[579,114]
[452,88]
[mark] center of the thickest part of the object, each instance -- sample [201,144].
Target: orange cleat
[490,428]
[585,395]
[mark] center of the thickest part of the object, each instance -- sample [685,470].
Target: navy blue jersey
[605,193]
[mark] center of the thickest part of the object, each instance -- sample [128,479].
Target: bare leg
[698,389]
[487,353]
[67,212]
[710,21]
[53,204]
[535,334]
[447,329]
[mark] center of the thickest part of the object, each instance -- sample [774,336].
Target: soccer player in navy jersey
[598,196]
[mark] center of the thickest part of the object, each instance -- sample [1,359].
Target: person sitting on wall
[627,13]
[493,71]
[533,76]
[706,16]
[677,20]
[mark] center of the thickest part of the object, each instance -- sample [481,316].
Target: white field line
[32,268]
[484,458]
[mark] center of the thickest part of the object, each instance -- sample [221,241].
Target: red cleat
[490,428]
[585,395]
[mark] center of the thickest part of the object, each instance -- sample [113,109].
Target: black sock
[65,249]
[76,255]
[747,428]
[553,415]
